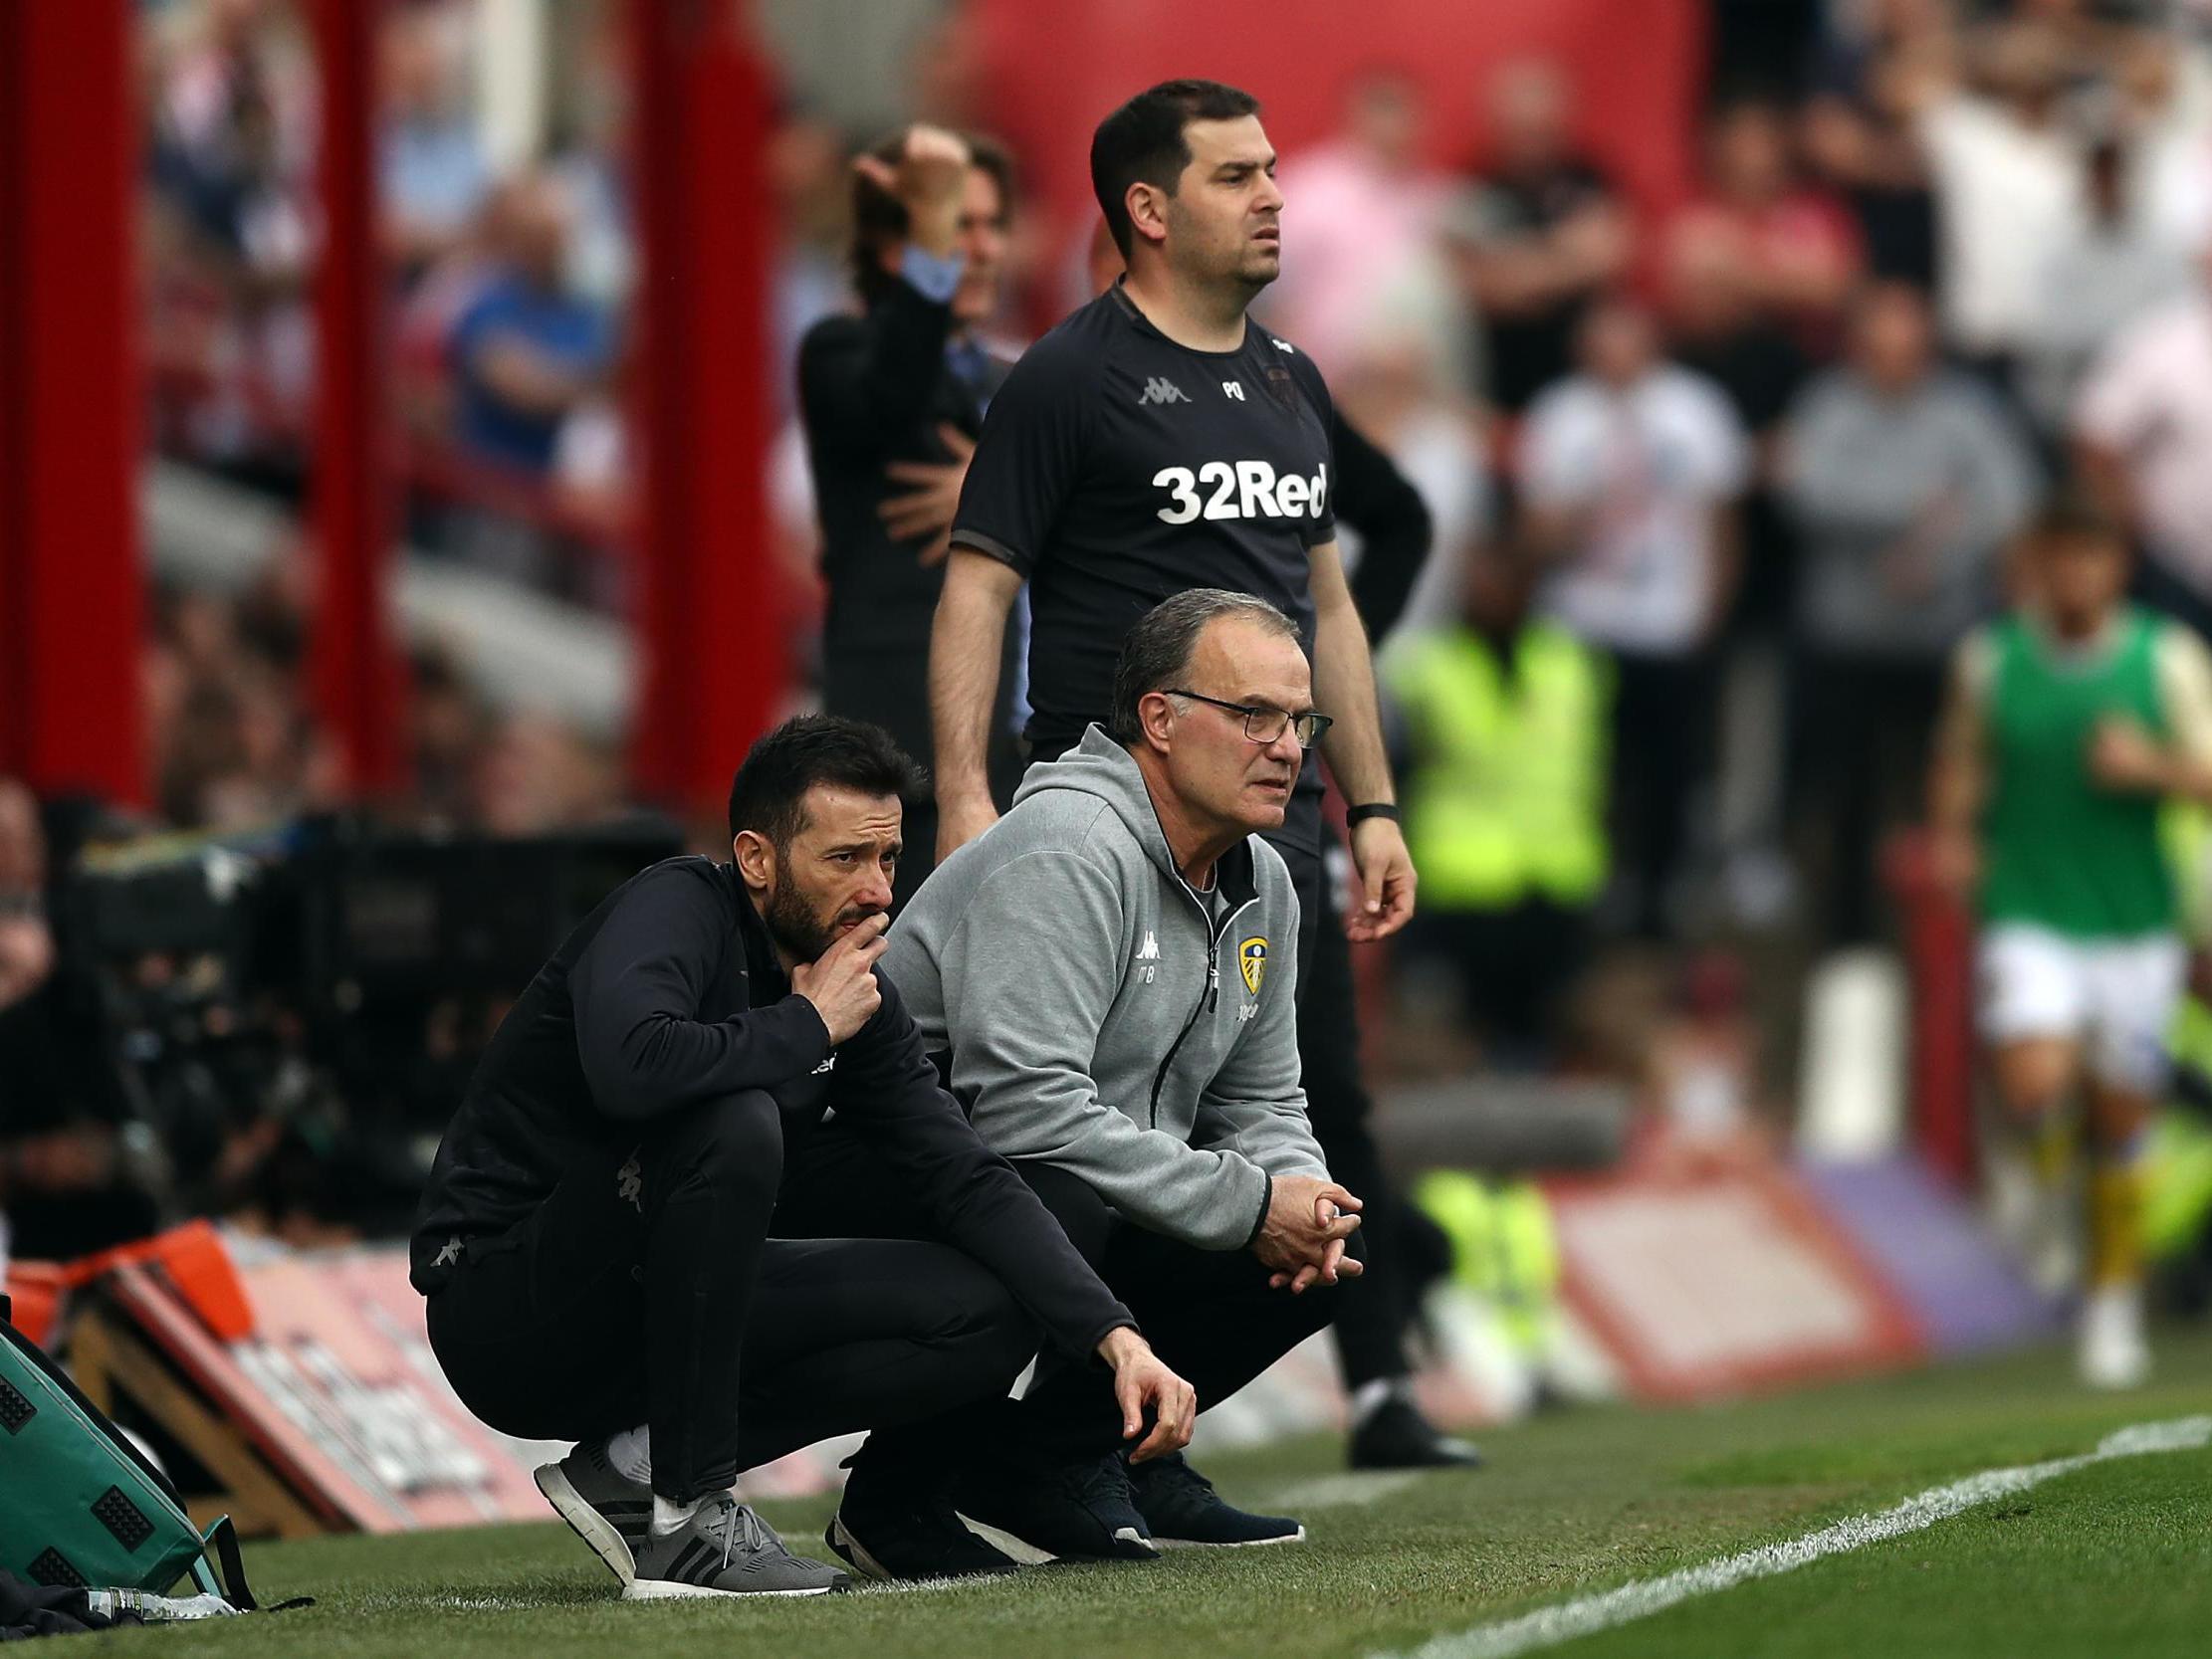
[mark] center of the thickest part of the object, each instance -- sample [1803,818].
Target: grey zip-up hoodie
[1095,1016]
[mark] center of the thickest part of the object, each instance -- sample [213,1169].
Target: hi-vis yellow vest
[1509,795]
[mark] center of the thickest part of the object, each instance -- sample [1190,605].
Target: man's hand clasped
[1303,1236]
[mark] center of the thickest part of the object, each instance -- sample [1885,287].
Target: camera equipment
[295,1013]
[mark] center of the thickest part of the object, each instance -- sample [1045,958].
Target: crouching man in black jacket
[594,1240]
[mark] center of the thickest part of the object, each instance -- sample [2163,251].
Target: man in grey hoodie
[1107,977]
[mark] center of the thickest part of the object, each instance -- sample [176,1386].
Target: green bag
[79,1505]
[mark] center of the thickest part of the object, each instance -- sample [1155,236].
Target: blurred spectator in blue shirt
[528,350]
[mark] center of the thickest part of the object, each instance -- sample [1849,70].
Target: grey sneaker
[726,1550]
[602,1506]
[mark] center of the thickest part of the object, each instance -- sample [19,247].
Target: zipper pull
[1212,982]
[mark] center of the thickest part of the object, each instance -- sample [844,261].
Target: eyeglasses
[1266,726]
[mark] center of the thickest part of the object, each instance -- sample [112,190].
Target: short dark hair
[1157,652]
[768,795]
[1143,141]
[879,219]
[2073,514]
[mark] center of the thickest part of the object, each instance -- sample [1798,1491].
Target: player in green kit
[2069,722]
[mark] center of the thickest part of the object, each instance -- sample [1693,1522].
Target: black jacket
[874,389]
[669,994]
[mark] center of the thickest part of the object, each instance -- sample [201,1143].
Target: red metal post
[70,590]
[707,619]
[1938,942]
[355,675]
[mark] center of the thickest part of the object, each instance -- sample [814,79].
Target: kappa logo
[1159,390]
[1284,346]
[449,1253]
[629,1184]
[1251,962]
[1149,951]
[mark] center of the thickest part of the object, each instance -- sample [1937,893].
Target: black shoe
[896,1520]
[1181,1508]
[1395,1435]
[1069,1512]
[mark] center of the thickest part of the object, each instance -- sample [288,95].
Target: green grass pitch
[2114,1560]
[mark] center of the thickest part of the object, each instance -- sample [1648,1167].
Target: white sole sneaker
[1013,1549]
[668,1590]
[586,1523]
[1298,1536]
[841,1539]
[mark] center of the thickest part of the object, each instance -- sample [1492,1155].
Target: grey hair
[1157,652]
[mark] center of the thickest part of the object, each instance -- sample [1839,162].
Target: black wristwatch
[1372,809]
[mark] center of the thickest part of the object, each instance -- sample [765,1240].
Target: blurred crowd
[1716,483]
[1720,484]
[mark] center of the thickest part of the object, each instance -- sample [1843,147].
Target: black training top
[1117,468]
[670,993]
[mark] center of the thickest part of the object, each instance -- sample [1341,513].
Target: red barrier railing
[1938,943]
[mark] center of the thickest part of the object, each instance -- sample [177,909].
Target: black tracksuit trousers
[1369,1327]
[1209,1313]
[646,1290]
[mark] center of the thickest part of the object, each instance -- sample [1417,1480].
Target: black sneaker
[1182,1509]
[1395,1435]
[1070,1512]
[897,1521]
[726,1550]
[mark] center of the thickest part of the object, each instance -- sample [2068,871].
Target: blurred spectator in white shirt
[1361,208]
[1631,471]
[2118,265]
[2161,110]
[1394,384]
[2007,177]
[2142,430]
[1630,467]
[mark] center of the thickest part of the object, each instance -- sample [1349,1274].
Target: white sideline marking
[1340,1491]
[1588,1614]
[920,1587]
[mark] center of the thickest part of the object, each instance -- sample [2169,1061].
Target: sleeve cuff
[807,1023]
[1122,1319]
[1266,1198]
[990,545]
[931,277]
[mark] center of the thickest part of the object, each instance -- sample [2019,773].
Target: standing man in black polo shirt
[1158,441]
[892,399]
